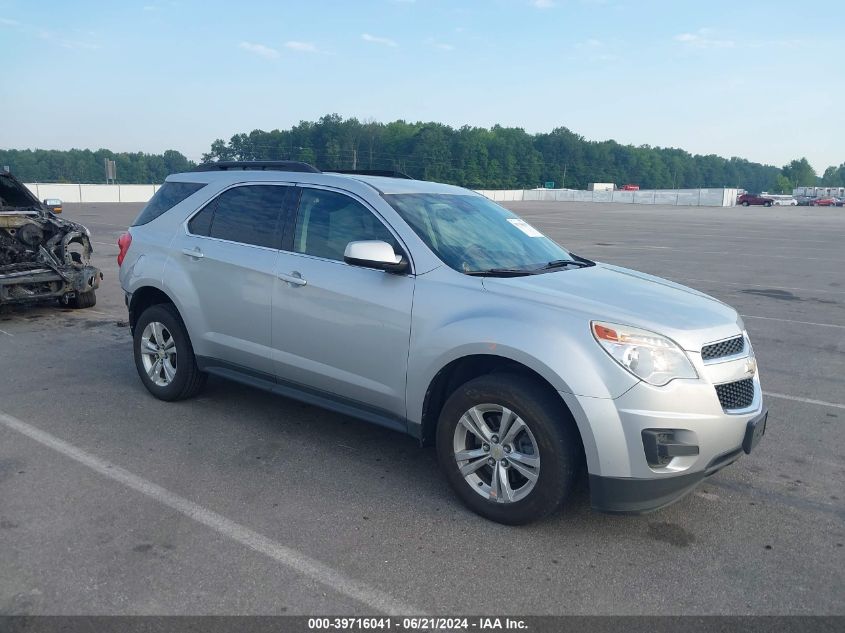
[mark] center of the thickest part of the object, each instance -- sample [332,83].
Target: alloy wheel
[158,353]
[496,453]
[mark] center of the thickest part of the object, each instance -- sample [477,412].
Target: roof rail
[257,165]
[389,173]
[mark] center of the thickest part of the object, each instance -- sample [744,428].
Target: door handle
[294,278]
[196,253]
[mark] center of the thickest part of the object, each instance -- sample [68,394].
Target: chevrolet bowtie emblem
[751,366]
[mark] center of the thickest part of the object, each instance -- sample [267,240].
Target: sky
[758,79]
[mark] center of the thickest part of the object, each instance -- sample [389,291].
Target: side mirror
[374,254]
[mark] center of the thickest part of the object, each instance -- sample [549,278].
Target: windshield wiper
[562,263]
[499,272]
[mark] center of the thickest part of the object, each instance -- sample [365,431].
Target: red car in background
[752,198]
[827,201]
[630,188]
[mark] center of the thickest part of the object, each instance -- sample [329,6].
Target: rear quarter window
[168,196]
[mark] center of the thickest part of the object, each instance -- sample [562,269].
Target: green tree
[783,184]
[800,173]
[834,176]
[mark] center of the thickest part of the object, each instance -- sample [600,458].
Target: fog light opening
[661,446]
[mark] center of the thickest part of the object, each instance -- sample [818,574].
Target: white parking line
[822,403]
[6,333]
[751,316]
[289,557]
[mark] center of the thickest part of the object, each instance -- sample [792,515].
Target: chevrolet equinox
[429,309]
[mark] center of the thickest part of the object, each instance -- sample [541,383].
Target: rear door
[227,254]
[339,329]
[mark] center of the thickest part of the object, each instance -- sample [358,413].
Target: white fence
[93,193]
[681,197]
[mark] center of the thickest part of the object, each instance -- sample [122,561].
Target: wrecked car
[42,256]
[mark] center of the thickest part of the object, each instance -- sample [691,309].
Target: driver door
[341,330]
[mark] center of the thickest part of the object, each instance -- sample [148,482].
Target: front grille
[723,348]
[736,395]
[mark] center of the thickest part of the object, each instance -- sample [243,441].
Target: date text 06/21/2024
[416,623]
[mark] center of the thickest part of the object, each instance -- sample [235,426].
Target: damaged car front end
[42,256]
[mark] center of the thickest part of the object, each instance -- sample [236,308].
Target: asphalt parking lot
[240,502]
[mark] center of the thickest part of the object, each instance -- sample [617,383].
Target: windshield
[472,234]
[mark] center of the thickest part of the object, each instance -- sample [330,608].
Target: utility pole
[354,159]
[563,184]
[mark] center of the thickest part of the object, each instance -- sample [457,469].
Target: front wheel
[767,204]
[509,448]
[745,204]
[164,356]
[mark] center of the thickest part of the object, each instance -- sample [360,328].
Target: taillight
[123,243]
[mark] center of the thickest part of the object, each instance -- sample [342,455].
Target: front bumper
[627,495]
[36,283]
[700,437]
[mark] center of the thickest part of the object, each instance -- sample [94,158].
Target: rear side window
[248,214]
[200,224]
[168,196]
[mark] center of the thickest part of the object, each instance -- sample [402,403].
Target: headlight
[649,356]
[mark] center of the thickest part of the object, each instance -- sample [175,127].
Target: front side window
[473,234]
[168,196]
[248,214]
[327,221]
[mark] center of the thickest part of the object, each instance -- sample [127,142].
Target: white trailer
[819,192]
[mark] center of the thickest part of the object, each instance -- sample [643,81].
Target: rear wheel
[508,447]
[745,203]
[767,204]
[164,356]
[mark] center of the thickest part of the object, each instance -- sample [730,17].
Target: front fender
[454,320]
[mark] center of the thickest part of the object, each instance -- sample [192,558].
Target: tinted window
[168,196]
[200,224]
[249,214]
[327,221]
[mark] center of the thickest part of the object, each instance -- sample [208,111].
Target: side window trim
[290,228]
[280,220]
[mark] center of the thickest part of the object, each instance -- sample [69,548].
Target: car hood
[14,195]
[620,295]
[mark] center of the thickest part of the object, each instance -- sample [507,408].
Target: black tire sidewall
[168,316]
[552,427]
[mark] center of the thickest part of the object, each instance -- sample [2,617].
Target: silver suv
[429,309]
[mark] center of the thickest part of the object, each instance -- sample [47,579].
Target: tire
[745,204]
[177,377]
[79,301]
[551,433]
[767,204]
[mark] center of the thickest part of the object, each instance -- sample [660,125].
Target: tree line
[479,158]
[506,158]
[86,166]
